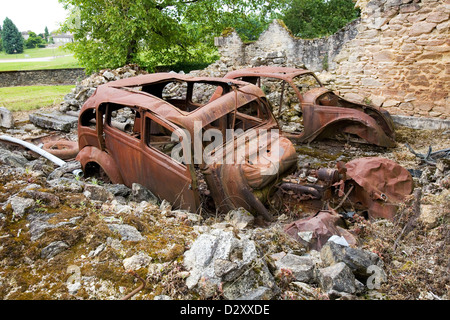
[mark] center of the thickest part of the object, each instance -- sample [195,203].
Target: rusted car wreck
[129,128]
[324,113]
[155,130]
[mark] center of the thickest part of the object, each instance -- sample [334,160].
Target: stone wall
[400,57]
[41,77]
[396,55]
[278,46]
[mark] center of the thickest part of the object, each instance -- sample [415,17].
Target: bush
[319,18]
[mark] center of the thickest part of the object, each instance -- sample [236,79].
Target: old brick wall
[396,55]
[41,77]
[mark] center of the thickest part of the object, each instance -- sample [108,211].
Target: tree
[12,39]
[33,41]
[46,34]
[149,32]
[318,18]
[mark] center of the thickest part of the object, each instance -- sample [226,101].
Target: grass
[61,60]
[57,63]
[32,97]
[35,53]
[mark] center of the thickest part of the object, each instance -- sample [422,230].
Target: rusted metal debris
[315,231]
[374,185]
[381,185]
[141,287]
[324,113]
[63,149]
[430,157]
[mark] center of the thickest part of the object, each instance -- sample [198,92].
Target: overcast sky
[33,15]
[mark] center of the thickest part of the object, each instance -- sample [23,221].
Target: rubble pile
[69,237]
[54,224]
[74,100]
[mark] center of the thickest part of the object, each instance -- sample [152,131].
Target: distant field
[35,53]
[32,97]
[60,61]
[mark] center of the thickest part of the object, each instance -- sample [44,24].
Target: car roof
[121,92]
[268,71]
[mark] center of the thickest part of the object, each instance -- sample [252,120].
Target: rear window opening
[125,119]
[186,96]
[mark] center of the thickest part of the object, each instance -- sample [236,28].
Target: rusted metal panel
[315,231]
[382,185]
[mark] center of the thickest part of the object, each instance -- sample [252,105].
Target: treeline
[168,32]
[12,41]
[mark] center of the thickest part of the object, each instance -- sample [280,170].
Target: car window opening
[125,119]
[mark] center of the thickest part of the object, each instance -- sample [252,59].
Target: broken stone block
[137,261]
[357,260]
[240,218]
[53,120]
[12,159]
[108,75]
[139,193]
[127,232]
[219,258]
[20,205]
[6,118]
[96,192]
[53,249]
[260,293]
[337,277]
[302,267]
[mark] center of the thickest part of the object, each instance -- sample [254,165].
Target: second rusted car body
[324,113]
[127,130]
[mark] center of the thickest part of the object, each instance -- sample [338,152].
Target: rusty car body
[324,113]
[126,131]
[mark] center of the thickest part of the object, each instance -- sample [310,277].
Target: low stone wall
[41,77]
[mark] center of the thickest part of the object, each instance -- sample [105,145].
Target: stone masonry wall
[400,57]
[278,46]
[396,55]
[41,77]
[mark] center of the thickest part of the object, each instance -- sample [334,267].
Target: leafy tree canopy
[318,18]
[153,32]
[34,41]
[12,39]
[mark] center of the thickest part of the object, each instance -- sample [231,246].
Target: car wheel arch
[92,155]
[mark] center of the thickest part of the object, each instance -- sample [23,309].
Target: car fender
[103,159]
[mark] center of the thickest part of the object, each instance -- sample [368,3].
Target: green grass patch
[35,53]
[32,97]
[57,63]
[61,59]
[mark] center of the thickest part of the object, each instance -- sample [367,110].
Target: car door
[166,176]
